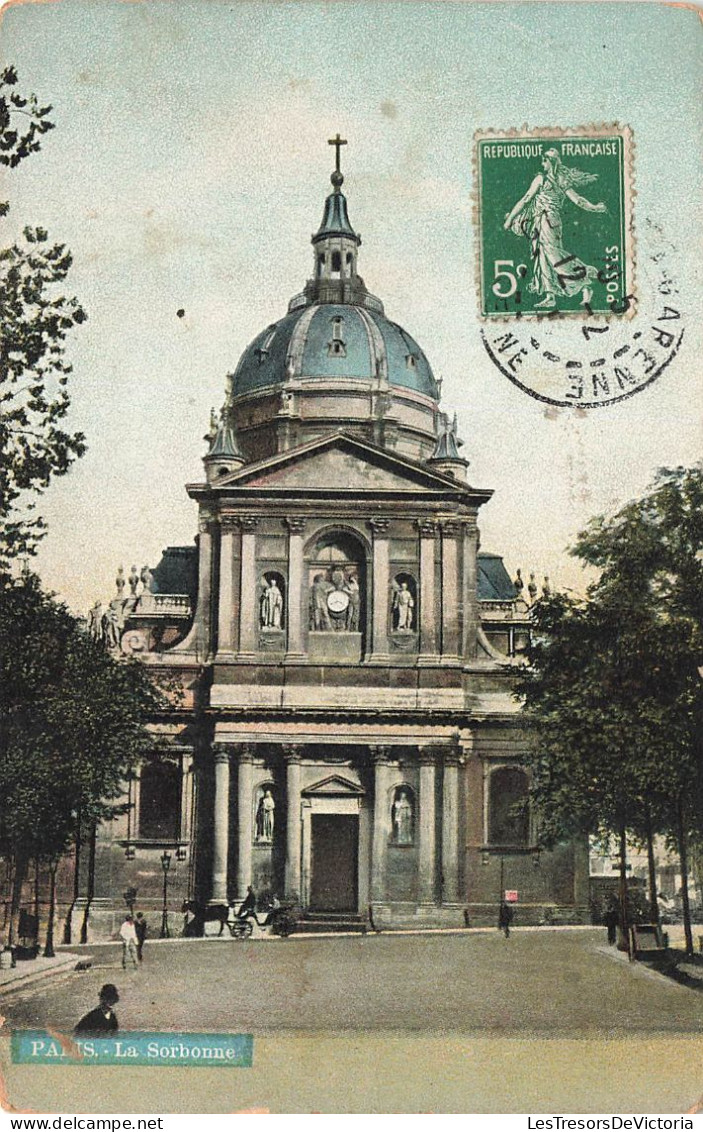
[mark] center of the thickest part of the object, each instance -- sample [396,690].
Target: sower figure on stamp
[538,217]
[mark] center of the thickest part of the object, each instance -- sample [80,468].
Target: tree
[614,690]
[35,320]
[72,727]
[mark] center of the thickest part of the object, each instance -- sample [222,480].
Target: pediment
[334,786]
[340,463]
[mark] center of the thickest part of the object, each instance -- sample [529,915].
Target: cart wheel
[246,930]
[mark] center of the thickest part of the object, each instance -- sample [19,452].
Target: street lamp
[129,897]
[165,865]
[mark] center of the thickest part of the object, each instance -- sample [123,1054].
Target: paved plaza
[546,1021]
[537,983]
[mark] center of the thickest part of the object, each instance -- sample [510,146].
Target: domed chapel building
[348,736]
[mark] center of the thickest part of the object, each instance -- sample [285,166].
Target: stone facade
[346,734]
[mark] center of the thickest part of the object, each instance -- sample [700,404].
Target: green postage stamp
[554,221]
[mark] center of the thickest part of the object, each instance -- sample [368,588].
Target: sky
[188,169]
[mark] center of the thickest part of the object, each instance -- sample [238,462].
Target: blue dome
[334,340]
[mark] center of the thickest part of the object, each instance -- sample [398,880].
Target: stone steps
[313,922]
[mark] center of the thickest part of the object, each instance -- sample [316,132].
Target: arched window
[350,258]
[404,604]
[265,813]
[337,347]
[336,263]
[509,811]
[160,801]
[337,581]
[320,264]
[403,816]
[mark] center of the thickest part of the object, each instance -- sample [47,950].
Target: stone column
[220,835]
[470,590]
[426,827]
[225,623]
[200,636]
[295,649]
[380,756]
[248,612]
[428,637]
[450,827]
[381,587]
[245,805]
[450,589]
[292,756]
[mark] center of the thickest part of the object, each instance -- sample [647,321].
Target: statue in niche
[402,817]
[335,601]
[353,609]
[403,607]
[319,614]
[265,816]
[271,615]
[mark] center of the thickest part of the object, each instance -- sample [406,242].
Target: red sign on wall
[511,896]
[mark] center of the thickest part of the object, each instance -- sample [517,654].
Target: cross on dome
[337,179]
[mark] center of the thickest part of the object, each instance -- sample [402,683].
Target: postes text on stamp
[555,222]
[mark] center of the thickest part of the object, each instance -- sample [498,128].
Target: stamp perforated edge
[595,130]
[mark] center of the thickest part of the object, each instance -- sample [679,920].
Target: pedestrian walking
[140,929]
[102,1021]
[128,935]
[505,918]
[611,920]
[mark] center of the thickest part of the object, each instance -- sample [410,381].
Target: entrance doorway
[334,881]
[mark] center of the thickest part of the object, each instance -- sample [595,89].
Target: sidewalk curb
[384,933]
[19,979]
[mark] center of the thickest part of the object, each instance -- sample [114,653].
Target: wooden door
[334,884]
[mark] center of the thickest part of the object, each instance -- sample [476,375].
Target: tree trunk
[76,882]
[49,952]
[21,866]
[90,893]
[651,866]
[624,914]
[682,838]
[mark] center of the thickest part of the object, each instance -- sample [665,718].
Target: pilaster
[296,526]
[450,826]
[381,585]
[426,827]
[381,757]
[248,588]
[225,622]
[470,620]
[450,590]
[427,529]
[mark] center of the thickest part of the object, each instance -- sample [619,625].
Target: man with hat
[102,1021]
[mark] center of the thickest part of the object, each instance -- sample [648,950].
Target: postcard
[327,332]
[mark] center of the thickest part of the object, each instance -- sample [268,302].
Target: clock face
[337,601]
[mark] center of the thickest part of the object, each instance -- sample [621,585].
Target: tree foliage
[614,691]
[35,321]
[72,725]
